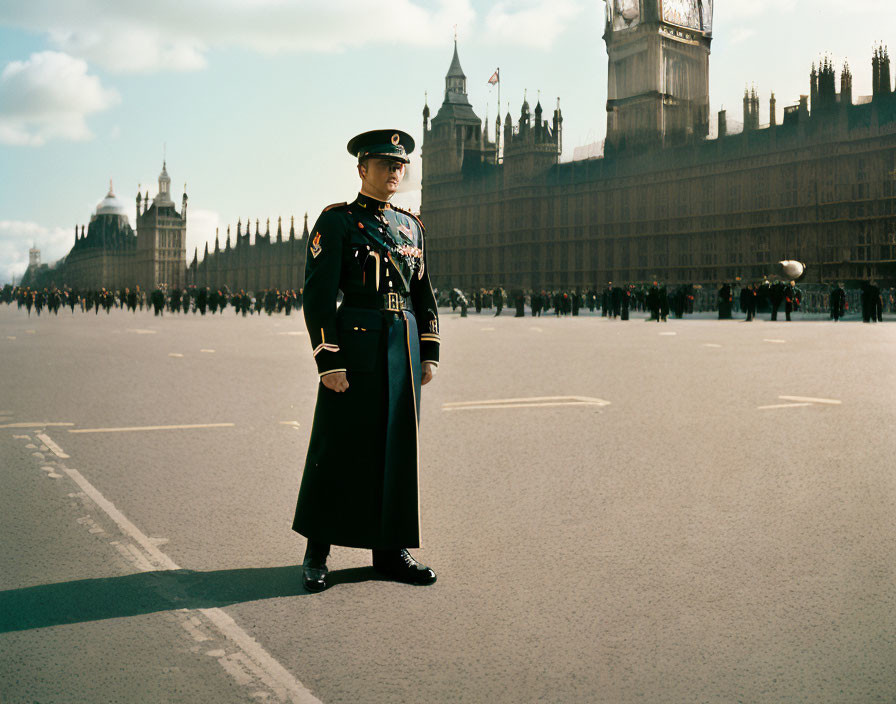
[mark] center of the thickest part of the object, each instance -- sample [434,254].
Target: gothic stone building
[664,202]
[267,263]
[111,254]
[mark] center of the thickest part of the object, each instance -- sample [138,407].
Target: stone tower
[162,240]
[455,136]
[658,80]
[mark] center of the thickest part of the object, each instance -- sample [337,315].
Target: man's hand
[336,381]
[429,371]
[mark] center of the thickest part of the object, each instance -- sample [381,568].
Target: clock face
[684,13]
[625,13]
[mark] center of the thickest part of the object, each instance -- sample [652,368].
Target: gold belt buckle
[393,302]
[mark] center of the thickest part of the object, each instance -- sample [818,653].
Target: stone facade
[110,254]
[671,206]
[268,263]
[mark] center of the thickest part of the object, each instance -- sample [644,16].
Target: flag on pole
[495,78]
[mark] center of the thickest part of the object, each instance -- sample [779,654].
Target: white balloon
[792,269]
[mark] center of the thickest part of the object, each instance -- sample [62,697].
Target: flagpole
[500,121]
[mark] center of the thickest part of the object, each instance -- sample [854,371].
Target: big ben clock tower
[658,82]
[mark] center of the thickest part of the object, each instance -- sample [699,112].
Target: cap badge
[395,138]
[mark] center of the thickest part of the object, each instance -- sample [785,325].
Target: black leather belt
[391,302]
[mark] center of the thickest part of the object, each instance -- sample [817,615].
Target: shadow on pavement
[149,592]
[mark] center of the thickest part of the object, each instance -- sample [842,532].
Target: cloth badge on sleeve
[315,246]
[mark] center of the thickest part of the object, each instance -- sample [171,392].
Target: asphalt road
[690,511]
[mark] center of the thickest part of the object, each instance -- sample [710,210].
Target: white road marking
[151,427]
[175,354]
[780,342]
[292,332]
[21,437]
[782,405]
[54,448]
[488,329]
[711,344]
[141,331]
[808,399]
[32,425]
[234,669]
[209,351]
[533,402]
[536,330]
[29,332]
[284,684]
[192,626]
[293,423]
[668,333]
[10,337]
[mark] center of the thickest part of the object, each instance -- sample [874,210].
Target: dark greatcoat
[360,485]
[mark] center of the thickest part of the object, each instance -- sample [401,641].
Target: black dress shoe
[400,566]
[314,575]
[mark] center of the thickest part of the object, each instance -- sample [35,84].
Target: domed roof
[111,204]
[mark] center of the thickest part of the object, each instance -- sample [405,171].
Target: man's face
[381,177]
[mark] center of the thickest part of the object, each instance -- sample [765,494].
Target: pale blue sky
[256,99]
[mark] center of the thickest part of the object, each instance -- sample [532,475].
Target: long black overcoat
[361,482]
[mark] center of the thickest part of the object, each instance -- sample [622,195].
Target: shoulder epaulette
[408,212]
[335,205]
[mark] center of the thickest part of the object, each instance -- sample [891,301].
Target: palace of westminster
[663,203]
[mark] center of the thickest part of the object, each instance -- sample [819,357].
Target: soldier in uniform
[360,486]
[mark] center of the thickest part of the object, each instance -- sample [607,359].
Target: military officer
[360,486]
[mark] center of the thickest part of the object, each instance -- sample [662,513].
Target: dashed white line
[668,333]
[208,351]
[175,354]
[152,427]
[54,448]
[808,399]
[141,331]
[711,344]
[533,402]
[779,342]
[33,425]
[283,683]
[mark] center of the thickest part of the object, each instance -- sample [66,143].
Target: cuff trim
[324,346]
[331,371]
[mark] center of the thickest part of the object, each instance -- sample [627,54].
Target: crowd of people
[195,299]
[619,301]
[613,301]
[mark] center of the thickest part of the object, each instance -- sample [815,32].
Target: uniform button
[390,284]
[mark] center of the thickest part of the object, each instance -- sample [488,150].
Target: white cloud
[48,96]
[17,237]
[133,35]
[130,36]
[535,24]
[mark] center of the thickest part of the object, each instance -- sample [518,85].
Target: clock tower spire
[658,82]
